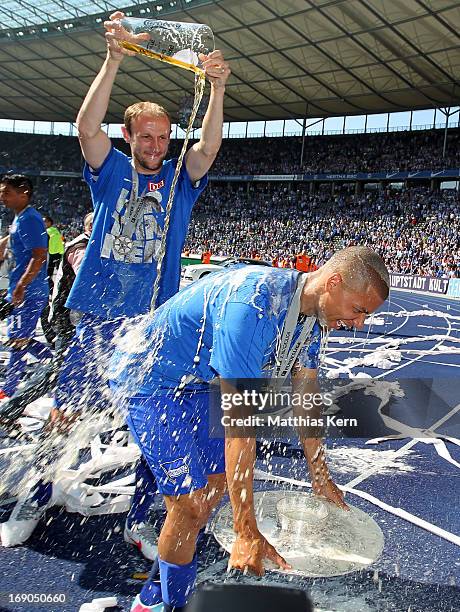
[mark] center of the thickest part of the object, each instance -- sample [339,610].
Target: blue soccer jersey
[118,271]
[225,325]
[27,232]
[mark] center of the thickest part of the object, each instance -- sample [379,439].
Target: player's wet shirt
[118,272]
[227,324]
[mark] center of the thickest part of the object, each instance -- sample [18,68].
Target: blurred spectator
[379,152]
[259,220]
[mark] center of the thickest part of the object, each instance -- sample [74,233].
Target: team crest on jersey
[135,235]
[175,469]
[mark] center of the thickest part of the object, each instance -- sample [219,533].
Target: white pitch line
[441,299]
[408,445]
[375,468]
[447,365]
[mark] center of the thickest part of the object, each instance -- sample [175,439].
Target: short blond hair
[143,108]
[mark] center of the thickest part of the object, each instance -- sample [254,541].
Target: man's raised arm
[201,155]
[94,142]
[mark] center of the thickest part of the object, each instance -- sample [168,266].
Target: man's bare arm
[37,260]
[305,382]
[94,142]
[201,155]
[250,547]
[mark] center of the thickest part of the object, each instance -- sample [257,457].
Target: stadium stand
[416,230]
[377,152]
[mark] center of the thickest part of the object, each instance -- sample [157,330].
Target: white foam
[349,460]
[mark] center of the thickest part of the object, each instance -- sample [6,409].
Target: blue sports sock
[155,571]
[177,583]
[15,370]
[39,350]
[144,494]
[151,591]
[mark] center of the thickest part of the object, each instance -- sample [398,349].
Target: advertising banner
[426,284]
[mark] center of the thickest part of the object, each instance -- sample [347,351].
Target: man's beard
[145,165]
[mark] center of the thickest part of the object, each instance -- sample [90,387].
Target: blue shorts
[173,435]
[24,318]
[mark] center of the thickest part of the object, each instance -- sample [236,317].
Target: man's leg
[21,327]
[54,261]
[138,530]
[82,383]
[31,506]
[189,469]
[42,381]
[173,577]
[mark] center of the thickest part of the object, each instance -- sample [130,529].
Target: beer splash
[160,56]
[200,82]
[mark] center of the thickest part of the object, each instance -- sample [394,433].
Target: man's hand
[249,552]
[216,68]
[321,481]
[331,492]
[18,294]
[116,32]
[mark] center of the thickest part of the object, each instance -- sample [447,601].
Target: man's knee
[192,509]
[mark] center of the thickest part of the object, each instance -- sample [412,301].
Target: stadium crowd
[379,152]
[416,231]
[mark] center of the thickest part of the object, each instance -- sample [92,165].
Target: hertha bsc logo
[175,469]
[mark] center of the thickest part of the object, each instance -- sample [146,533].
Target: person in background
[27,246]
[62,320]
[55,248]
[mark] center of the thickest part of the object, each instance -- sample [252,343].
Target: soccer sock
[177,582]
[151,591]
[155,571]
[15,370]
[144,494]
[39,350]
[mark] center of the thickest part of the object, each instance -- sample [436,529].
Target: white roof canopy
[289,58]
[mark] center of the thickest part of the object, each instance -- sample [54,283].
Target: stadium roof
[290,58]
